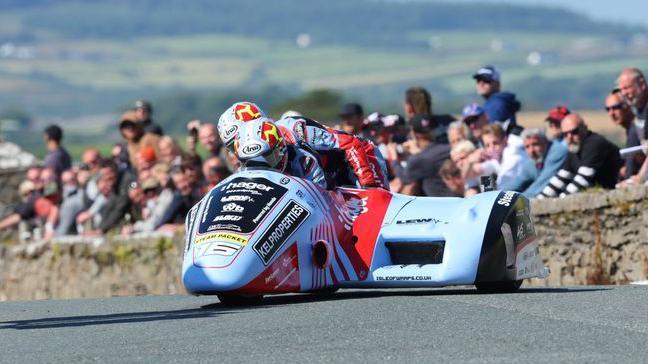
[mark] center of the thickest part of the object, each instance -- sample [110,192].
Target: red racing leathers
[362,157]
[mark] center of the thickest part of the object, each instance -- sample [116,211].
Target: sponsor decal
[287,222]
[227,218]
[421,221]
[251,149]
[506,199]
[264,210]
[230,131]
[240,205]
[222,236]
[248,186]
[232,207]
[300,193]
[404,278]
[237,198]
[284,180]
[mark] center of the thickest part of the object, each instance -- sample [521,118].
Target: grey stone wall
[590,238]
[594,237]
[78,268]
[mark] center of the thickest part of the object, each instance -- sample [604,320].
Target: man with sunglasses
[621,115]
[592,160]
[500,106]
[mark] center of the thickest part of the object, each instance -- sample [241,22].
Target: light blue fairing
[459,222]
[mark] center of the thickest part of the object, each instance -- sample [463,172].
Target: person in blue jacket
[545,159]
[500,106]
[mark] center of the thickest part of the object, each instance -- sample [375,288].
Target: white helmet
[260,143]
[230,121]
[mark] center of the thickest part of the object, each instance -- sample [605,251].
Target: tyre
[498,287]
[239,300]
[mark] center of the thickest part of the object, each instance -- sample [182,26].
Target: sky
[623,11]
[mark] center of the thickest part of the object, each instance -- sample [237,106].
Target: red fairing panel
[362,218]
[279,277]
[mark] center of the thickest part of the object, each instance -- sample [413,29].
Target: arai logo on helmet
[231,130]
[251,149]
[506,199]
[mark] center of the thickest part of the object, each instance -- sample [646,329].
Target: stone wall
[590,238]
[78,268]
[594,237]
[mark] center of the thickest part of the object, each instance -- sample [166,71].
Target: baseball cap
[422,123]
[472,110]
[393,120]
[351,108]
[557,113]
[489,73]
[374,119]
[150,184]
[143,104]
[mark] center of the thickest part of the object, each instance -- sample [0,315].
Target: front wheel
[239,300]
[498,287]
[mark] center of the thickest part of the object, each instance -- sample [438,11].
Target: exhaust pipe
[321,254]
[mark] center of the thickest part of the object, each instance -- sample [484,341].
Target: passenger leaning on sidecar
[260,144]
[347,158]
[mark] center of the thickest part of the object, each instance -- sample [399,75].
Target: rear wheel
[239,300]
[498,287]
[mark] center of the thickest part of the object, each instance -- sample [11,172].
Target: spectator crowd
[149,183]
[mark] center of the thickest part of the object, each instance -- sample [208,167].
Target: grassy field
[218,61]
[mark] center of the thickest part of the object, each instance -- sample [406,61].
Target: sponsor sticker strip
[287,222]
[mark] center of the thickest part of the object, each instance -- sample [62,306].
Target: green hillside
[73,58]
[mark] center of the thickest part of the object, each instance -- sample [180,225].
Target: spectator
[421,175]
[87,191]
[185,196]
[57,157]
[501,156]
[160,172]
[145,160]
[460,154]
[475,117]
[135,136]
[621,115]
[215,170]
[143,115]
[25,209]
[117,202]
[458,131]
[500,106]
[352,116]
[170,151]
[419,101]
[545,159]
[552,122]
[592,160]
[157,200]
[632,84]
[209,139]
[451,176]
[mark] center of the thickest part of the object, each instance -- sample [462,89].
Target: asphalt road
[579,324]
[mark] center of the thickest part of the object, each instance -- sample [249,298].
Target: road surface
[577,324]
